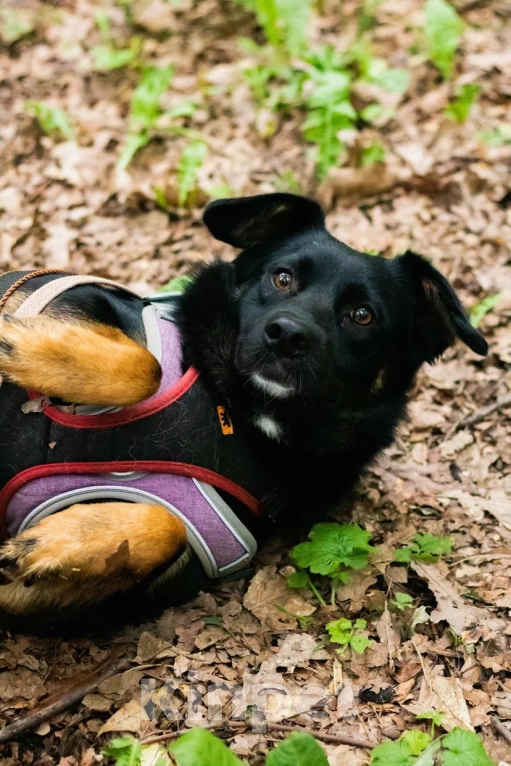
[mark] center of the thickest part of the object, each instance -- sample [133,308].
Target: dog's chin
[276,378]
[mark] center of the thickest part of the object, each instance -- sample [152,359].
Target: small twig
[482,414]
[501,729]
[423,666]
[336,739]
[165,737]
[69,698]
[487,556]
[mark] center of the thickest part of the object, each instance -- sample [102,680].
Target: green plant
[52,121]
[284,22]
[444,30]
[299,749]
[320,84]
[329,110]
[466,96]
[199,747]
[144,110]
[426,548]
[401,602]
[303,580]
[190,163]
[435,716]
[176,285]
[288,182]
[107,56]
[347,633]
[479,311]
[332,550]
[416,748]
[125,751]
[498,137]
[372,154]
[366,15]
[15,24]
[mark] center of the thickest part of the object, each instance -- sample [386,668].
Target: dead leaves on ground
[441,191]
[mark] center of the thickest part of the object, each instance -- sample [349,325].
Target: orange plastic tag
[225,421]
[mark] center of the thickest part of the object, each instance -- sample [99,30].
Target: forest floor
[441,191]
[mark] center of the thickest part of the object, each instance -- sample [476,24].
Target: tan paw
[80,363]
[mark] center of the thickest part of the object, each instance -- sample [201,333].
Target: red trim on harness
[128,415]
[157,466]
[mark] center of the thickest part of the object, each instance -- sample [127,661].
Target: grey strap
[35,303]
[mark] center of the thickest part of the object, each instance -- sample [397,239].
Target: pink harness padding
[35,303]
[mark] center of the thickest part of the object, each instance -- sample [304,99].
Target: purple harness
[222,542]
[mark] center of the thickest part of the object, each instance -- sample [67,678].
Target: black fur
[350,385]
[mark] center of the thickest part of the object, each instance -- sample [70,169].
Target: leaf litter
[439,190]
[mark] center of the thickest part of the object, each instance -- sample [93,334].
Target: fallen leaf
[451,606]
[349,185]
[131,717]
[268,588]
[446,696]
[276,695]
[97,702]
[35,405]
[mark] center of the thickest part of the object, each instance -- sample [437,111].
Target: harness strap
[36,302]
[21,281]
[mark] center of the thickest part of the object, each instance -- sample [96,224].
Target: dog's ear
[249,221]
[440,316]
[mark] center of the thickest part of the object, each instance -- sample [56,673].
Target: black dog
[312,346]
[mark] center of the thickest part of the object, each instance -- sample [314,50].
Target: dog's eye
[283,279]
[362,316]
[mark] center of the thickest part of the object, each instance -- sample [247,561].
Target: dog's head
[316,316]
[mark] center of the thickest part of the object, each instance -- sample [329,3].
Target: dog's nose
[287,337]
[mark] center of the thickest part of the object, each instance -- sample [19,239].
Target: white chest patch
[268,426]
[270,387]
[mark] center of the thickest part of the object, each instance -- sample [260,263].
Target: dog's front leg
[79,362]
[79,556]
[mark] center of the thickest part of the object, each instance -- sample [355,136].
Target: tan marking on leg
[82,554]
[82,363]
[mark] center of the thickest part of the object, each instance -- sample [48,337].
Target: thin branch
[501,729]
[336,739]
[72,695]
[482,414]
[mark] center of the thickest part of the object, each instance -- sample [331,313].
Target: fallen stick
[336,739]
[504,732]
[482,414]
[71,696]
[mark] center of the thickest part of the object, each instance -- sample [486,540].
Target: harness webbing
[36,302]
[18,282]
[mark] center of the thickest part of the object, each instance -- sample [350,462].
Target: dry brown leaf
[450,604]
[349,185]
[156,16]
[269,588]
[150,646]
[498,503]
[355,590]
[344,755]
[274,693]
[97,702]
[34,405]
[131,717]
[446,696]
[56,245]
[21,683]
